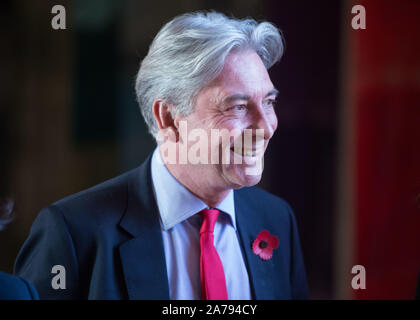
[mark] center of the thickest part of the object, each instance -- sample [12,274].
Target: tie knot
[209,219]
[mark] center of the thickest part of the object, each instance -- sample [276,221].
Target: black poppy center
[263,244]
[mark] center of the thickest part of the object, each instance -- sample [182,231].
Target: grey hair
[189,52]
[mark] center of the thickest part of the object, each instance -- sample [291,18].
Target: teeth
[249,153]
[246,152]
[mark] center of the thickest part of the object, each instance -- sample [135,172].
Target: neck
[206,193]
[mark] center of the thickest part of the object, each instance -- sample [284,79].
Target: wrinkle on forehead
[244,72]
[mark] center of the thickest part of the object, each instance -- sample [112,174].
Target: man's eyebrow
[273,92]
[241,96]
[237,96]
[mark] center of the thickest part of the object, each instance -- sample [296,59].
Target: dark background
[69,119]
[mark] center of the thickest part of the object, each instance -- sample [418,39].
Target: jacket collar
[143,257]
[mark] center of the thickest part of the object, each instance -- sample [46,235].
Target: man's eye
[271,103]
[239,107]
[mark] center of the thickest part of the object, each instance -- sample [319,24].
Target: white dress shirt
[180,224]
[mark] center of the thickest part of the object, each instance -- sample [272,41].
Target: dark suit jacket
[16,288]
[109,240]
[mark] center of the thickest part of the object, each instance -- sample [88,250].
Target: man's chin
[245,174]
[252,180]
[243,180]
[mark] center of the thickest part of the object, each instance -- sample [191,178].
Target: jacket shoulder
[262,198]
[116,184]
[104,199]
[264,206]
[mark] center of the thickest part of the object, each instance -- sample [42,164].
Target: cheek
[233,129]
[237,123]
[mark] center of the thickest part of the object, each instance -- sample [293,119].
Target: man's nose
[266,120]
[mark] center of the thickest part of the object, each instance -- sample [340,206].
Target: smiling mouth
[244,152]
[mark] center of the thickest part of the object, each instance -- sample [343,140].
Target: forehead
[244,72]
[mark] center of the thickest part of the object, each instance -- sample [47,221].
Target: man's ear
[163,113]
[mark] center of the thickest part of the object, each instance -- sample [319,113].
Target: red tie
[213,282]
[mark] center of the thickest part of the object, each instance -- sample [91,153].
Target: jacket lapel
[267,277]
[143,257]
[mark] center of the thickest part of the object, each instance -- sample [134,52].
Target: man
[190,226]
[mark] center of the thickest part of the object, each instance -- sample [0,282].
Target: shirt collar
[175,202]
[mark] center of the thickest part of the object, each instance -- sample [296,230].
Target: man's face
[242,97]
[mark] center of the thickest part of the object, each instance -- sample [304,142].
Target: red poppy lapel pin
[264,245]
